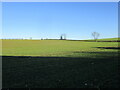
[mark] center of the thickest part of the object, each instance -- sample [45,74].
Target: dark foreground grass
[60,72]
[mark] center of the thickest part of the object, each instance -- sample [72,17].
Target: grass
[104,40]
[60,72]
[59,64]
[53,47]
[109,39]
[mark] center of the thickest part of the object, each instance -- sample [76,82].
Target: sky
[60,0]
[51,19]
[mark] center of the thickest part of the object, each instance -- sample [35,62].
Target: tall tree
[95,35]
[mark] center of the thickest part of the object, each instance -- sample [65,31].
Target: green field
[54,48]
[109,39]
[59,64]
[105,39]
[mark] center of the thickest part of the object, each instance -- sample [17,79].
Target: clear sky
[51,19]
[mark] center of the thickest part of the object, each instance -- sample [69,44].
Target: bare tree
[95,35]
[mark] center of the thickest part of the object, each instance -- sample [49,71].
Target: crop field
[59,64]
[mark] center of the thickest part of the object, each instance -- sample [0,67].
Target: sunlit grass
[54,48]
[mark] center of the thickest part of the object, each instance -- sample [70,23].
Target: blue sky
[51,19]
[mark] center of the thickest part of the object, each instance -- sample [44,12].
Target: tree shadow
[59,72]
[108,47]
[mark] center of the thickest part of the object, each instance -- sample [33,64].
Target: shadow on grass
[59,72]
[109,47]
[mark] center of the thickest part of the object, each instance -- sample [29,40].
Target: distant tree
[61,37]
[95,35]
[64,36]
[31,38]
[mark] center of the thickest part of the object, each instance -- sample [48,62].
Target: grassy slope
[72,64]
[109,39]
[53,47]
[104,39]
[60,72]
